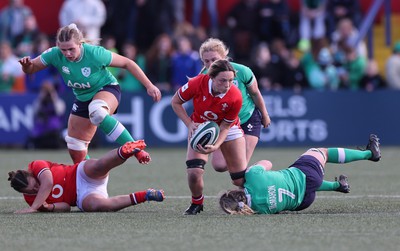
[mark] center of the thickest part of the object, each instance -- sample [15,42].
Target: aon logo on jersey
[79,85]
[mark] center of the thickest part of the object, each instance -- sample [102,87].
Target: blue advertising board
[311,118]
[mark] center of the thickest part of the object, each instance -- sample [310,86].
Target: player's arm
[55,207]
[125,63]
[224,129]
[223,133]
[30,66]
[258,100]
[177,106]
[46,184]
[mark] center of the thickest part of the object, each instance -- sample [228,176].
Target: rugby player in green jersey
[253,114]
[294,188]
[84,68]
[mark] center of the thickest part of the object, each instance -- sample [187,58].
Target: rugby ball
[206,134]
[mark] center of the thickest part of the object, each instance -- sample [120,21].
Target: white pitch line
[375,196]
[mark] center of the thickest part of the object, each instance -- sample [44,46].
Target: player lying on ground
[52,187]
[294,188]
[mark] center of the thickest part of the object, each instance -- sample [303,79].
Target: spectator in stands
[12,19]
[279,57]
[196,36]
[88,15]
[274,22]
[242,22]
[212,9]
[340,9]
[127,81]
[294,78]
[122,29]
[34,81]
[10,71]
[158,62]
[276,69]
[185,63]
[354,67]
[318,66]
[262,67]
[109,42]
[177,7]
[153,18]
[346,31]
[48,119]
[24,42]
[171,13]
[312,22]
[393,68]
[371,79]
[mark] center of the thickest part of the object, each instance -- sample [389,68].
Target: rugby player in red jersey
[215,98]
[53,187]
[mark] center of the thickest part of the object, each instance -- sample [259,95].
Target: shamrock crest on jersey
[85,71]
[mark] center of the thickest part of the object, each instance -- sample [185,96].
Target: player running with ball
[214,98]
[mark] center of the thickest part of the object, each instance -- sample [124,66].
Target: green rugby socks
[344,155]
[115,130]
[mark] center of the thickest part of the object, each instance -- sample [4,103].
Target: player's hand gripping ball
[206,134]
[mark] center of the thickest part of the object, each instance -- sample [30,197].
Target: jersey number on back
[282,192]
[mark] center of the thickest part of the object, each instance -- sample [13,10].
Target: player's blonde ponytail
[235,202]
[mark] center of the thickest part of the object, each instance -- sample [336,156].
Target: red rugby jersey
[64,181]
[208,107]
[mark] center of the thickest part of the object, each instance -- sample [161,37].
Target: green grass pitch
[368,218]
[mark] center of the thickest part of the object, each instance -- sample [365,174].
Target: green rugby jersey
[244,78]
[271,192]
[88,74]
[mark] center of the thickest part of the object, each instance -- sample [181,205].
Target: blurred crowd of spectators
[309,48]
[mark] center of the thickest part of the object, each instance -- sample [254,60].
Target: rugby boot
[344,185]
[154,195]
[131,148]
[373,146]
[194,209]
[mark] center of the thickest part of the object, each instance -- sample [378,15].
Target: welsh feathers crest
[86,71]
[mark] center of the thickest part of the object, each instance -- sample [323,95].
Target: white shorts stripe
[235,132]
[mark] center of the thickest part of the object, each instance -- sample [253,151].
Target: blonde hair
[72,32]
[235,202]
[214,44]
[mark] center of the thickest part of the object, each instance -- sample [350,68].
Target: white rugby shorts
[86,186]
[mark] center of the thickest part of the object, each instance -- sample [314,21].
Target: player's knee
[98,110]
[195,163]
[76,144]
[93,205]
[321,151]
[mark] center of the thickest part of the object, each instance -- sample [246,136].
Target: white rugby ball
[206,134]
